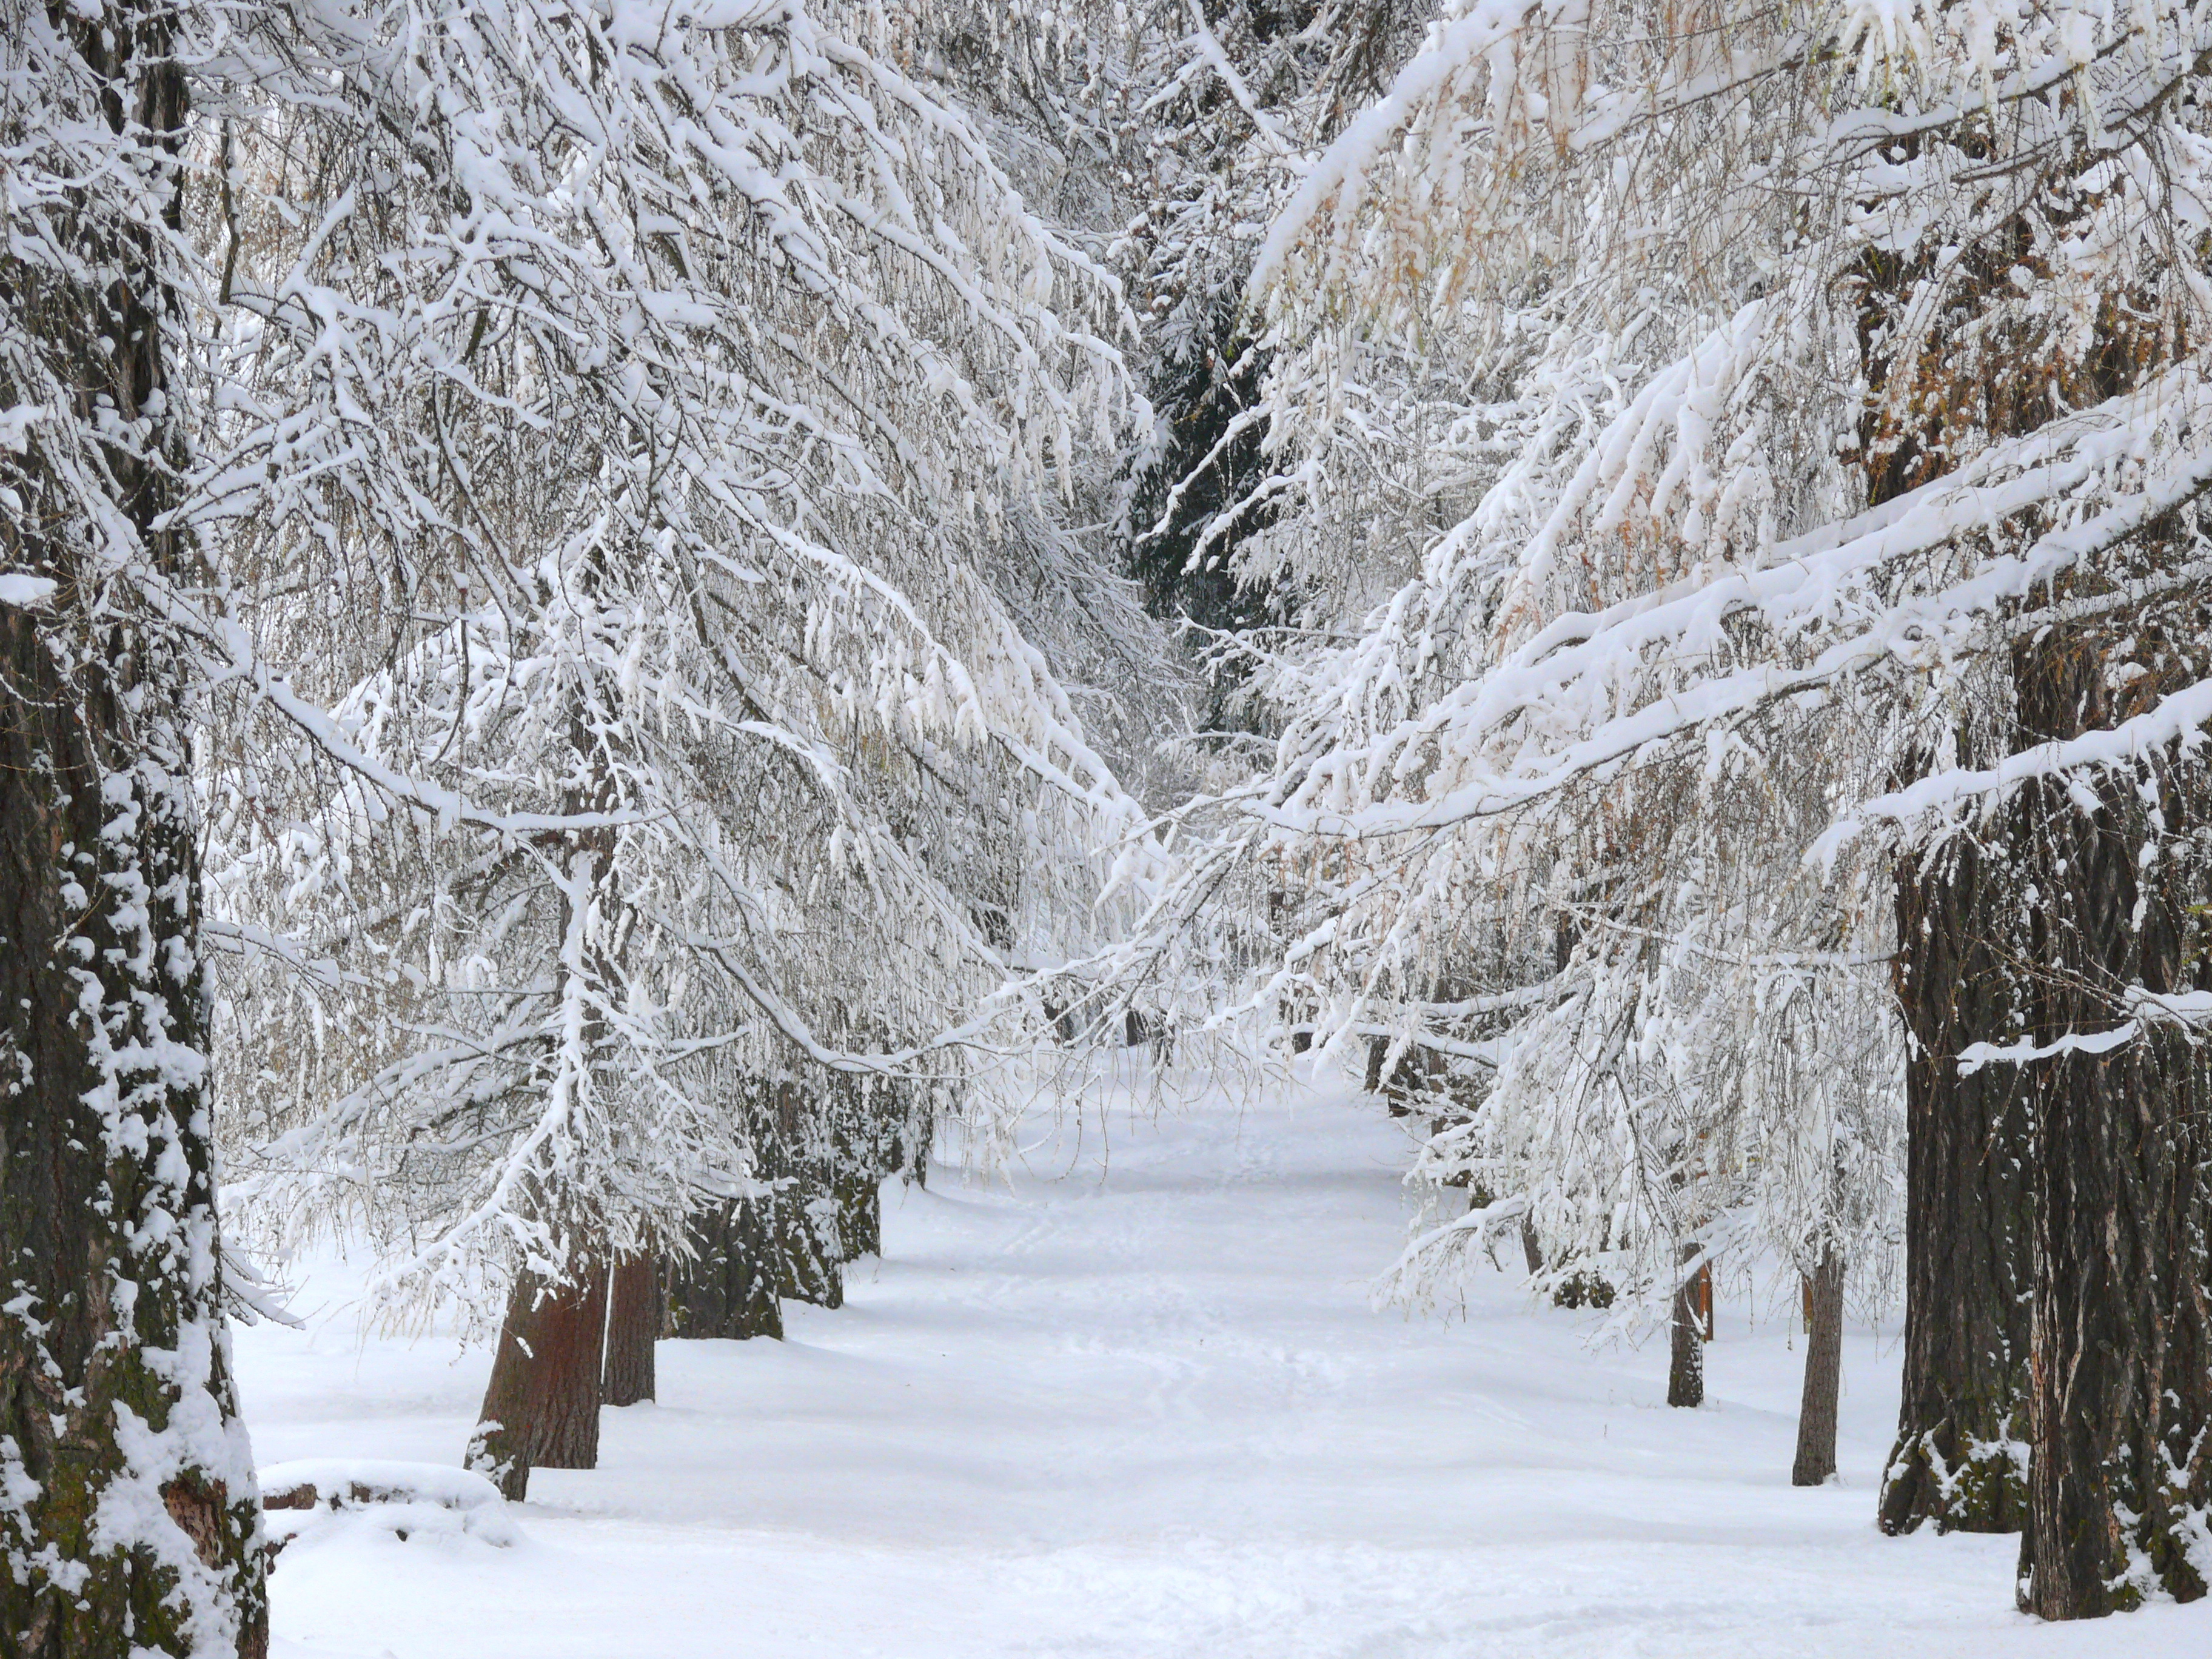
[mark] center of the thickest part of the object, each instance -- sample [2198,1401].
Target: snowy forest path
[1135,1401]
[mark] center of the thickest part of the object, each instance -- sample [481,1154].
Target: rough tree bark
[1935,401]
[2120,1341]
[1958,1458]
[1686,1368]
[541,1409]
[111,1295]
[861,1212]
[859,1156]
[634,1306]
[808,1252]
[1990,1156]
[1824,1371]
[727,1288]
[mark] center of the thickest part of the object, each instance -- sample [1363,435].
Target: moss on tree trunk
[110,1265]
[727,1286]
[1962,1419]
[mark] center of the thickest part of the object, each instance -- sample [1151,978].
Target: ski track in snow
[1147,1410]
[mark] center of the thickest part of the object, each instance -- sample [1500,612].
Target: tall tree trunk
[1686,1368]
[861,1212]
[858,1154]
[541,1409]
[802,1215]
[1983,1226]
[727,1288]
[129,1518]
[1958,1461]
[2120,1357]
[808,1253]
[1824,1371]
[634,1306]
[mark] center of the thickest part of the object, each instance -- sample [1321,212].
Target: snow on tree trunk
[2120,1355]
[129,1518]
[635,1305]
[1685,1367]
[1824,1371]
[861,1155]
[861,1212]
[541,1409]
[1959,1461]
[807,1253]
[728,1287]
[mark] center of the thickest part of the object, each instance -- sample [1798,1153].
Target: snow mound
[324,1496]
[18,589]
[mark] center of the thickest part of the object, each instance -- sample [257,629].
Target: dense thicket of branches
[702,593]
[1738,472]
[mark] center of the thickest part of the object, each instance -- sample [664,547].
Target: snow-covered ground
[1139,1404]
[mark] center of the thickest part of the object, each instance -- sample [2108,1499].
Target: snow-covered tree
[632,429]
[1826,390]
[128,1512]
[640,454]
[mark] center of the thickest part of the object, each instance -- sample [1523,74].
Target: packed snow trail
[1138,1404]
